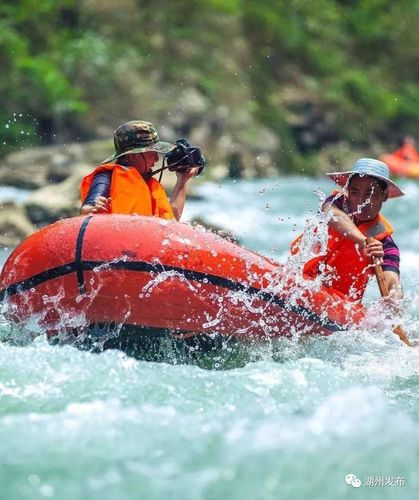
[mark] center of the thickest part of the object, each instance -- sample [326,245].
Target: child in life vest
[355,217]
[122,183]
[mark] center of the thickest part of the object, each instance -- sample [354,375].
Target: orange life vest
[407,152]
[131,193]
[344,266]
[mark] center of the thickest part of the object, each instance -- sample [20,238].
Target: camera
[184,156]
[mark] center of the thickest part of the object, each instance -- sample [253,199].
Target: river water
[282,420]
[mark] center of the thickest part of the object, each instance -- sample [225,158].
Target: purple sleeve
[101,186]
[391,260]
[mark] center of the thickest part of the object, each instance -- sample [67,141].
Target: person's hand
[187,174]
[102,204]
[374,250]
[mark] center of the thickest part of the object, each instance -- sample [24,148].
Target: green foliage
[316,73]
[36,87]
[355,63]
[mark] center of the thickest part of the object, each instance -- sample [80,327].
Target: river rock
[15,225]
[56,201]
[33,168]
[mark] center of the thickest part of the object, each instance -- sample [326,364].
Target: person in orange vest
[123,184]
[355,216]
[407,149]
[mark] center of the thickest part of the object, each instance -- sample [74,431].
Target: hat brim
[341,179]
[159,147]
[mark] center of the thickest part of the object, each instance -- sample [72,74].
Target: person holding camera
[124,182]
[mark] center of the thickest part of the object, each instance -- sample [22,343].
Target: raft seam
[78,261]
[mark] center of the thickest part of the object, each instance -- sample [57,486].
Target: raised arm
[178,198]
[343,224]
[97,199]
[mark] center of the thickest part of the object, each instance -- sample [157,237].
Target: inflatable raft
[400,167]
[151,275]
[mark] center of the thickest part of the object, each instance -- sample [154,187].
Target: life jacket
[131,193]
[407,152]
[344,266]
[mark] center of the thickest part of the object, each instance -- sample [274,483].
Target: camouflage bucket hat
[137,137]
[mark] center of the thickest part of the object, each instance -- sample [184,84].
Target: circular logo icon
[349,478]
[352,480]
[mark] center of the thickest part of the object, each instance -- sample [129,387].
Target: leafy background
[305,80]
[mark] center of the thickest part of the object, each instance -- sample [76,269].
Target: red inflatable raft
[401,167]
[147,274]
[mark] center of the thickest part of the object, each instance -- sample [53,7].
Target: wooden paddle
[382,285]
